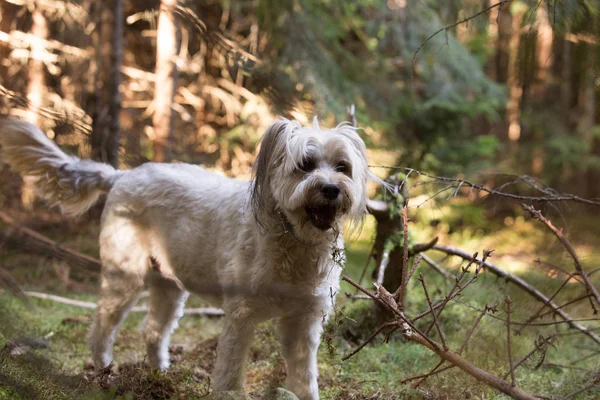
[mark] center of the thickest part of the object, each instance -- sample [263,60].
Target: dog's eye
[342,167]
[308,165]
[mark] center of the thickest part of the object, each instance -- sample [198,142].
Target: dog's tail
[61,179]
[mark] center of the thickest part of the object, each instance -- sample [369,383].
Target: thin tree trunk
[490,66]
[167,45]
[7,15]
[109,55]
[544,57]
[543,49]
[36,88]
[566,77]
[587,122]
[504,29]
[513,110]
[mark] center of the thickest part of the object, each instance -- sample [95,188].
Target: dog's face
[318,176]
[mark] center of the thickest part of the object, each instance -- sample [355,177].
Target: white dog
[269,248]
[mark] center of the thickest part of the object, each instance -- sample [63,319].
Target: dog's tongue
[321,217]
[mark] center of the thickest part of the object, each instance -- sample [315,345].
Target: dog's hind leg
[124,266]
[166,307]
[119,291]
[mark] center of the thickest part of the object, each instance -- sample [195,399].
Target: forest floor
[57,366]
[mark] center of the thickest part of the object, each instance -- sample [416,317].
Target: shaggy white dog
[269,248]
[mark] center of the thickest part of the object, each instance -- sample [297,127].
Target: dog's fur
[270,248]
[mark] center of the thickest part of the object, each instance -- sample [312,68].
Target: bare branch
[401,291]
[537,313]
[592,384]
[40,244]
[411,332]
[385,259]
[359,348]
[447,27]
[588,284]
[414,267]
[526,357]
[435,318]
[509,351]
[423,377]
[523,285]
[7,280]
[437,267]
[477,320]
[549,195]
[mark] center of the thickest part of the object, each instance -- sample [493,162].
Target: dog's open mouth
[321,217]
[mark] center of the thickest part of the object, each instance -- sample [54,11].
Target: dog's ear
[272,151]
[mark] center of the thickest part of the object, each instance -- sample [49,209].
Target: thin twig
[435,320]
[447,27]
[401,292]
[588,284]
[437,267]
[538,346]
[594,382]
[427,375]
[414,267]
[457,289]
[549,196]
[537,313]
[470,333]
[530,323]
[510,362]
[359,348]
[364,271]
[568,303]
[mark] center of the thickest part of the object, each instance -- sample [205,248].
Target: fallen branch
[7,280]
[523,285]
[206,311]
[32,241]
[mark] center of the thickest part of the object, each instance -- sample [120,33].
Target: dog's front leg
[300,337]
[232,353]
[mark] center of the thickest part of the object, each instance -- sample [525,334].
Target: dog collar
[288,229]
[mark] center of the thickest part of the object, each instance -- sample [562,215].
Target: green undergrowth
[59,368]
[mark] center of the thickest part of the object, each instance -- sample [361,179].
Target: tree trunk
[515,91]
[109,55]
[36,89]
[490,66]
[503,29]
[167,44]
[7,15]
[544,54]
[587,105]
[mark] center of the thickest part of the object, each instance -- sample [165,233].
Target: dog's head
[313,175]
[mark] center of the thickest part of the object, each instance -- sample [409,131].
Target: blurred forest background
[503,93]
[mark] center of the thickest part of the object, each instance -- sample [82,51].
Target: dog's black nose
[330,191]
